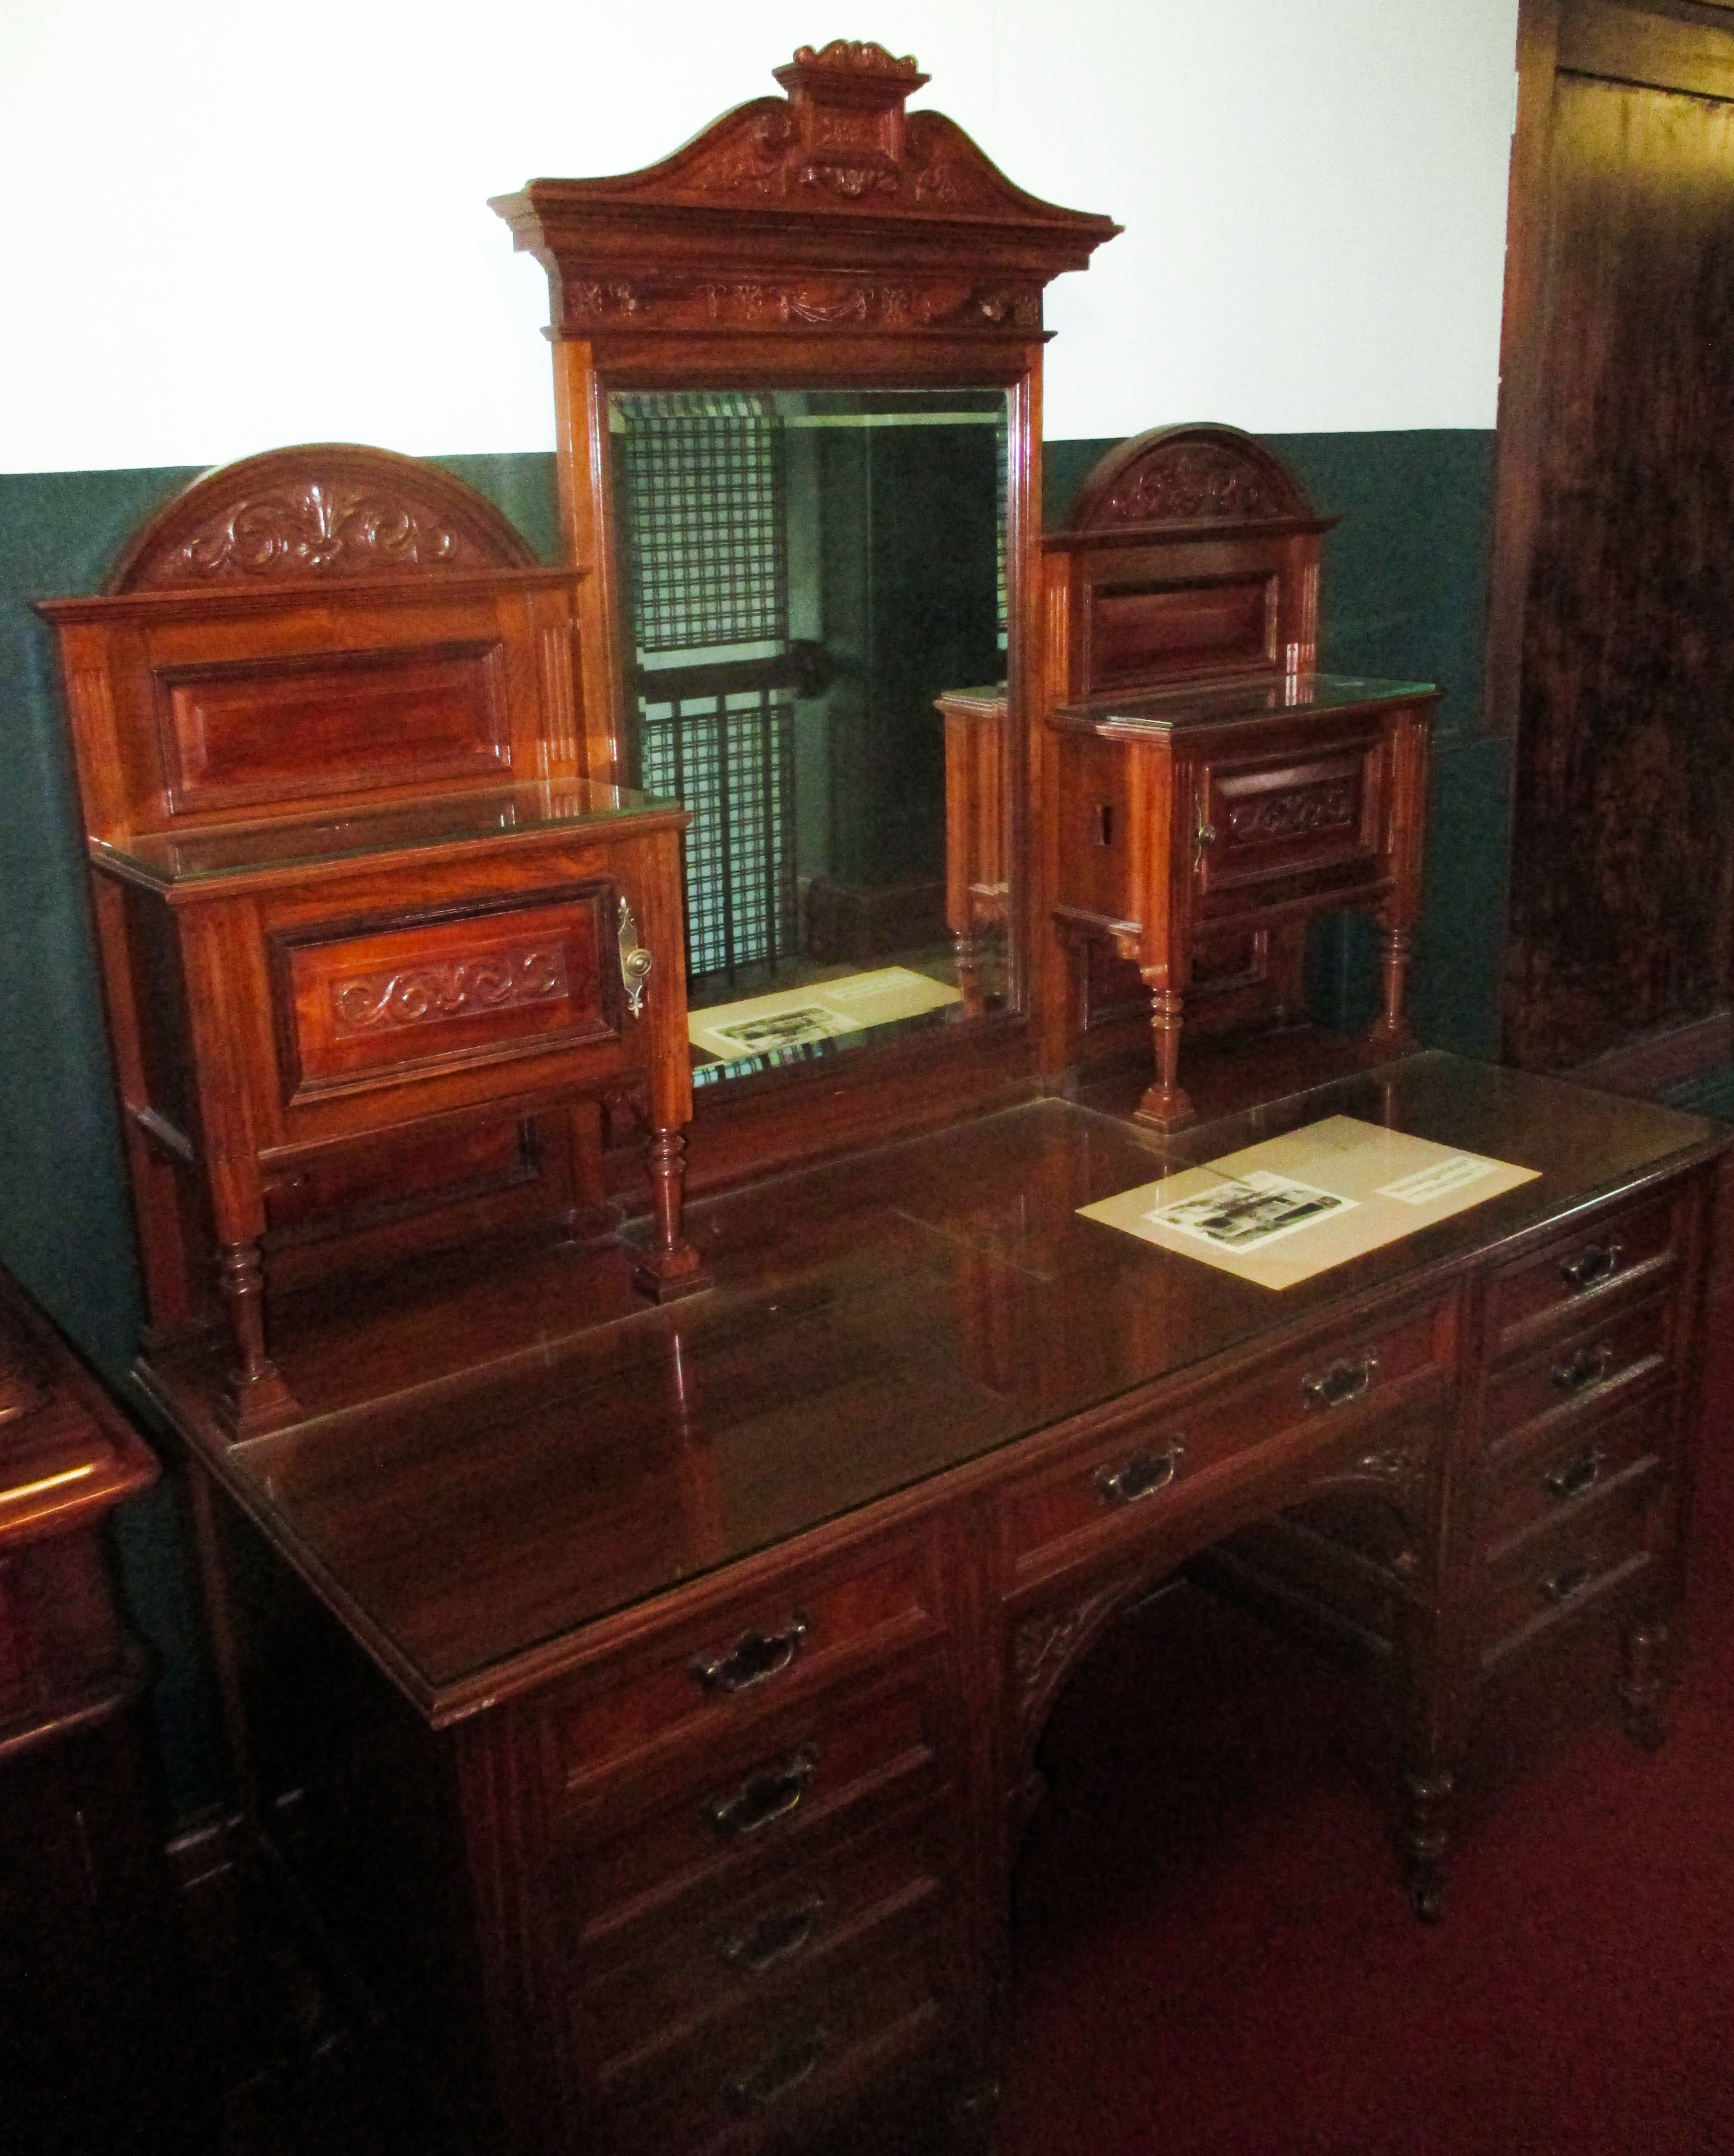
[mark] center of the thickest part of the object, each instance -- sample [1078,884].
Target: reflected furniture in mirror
[379,937]
[977,874]
[797,371]
[1213,790]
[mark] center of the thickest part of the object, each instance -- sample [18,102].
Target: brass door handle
[754,1657]
[635,961]
[1342,1383]
[1142,1476]
[763,1798]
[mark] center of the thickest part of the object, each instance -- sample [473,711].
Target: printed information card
[1283,1210]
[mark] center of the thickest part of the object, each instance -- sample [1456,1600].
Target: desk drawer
[794,1784]
[707,1676]
[1106,1489]
[715,1953]
[771,2069]
[1577,1279]
[1607,1544]
[1544,1483]
[1580,1375]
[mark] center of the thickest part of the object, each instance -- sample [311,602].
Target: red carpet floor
[1214,1957]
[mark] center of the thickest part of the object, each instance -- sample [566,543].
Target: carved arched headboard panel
[1191,474]
[320,629]
[325,511]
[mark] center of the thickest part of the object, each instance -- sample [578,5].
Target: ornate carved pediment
[329,511]
[1191,474]
[670,247]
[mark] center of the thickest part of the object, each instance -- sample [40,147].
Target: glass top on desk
[1251,696]
[875,1323]
[535,809]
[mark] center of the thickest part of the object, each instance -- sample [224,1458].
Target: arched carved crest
[1201,474]
[327,513]
[831,210]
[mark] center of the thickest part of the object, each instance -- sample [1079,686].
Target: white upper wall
[225,228]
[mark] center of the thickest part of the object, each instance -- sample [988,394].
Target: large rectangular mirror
[802,572]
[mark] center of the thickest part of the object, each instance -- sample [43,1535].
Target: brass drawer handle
[776,1936]
[763,1798]
[1577,1475]
[635,961]
[755,1657]
[1599,1262]
[1587,1368]
[1142,1476]
[1342,1383]
[779,2073]
[1569,1580]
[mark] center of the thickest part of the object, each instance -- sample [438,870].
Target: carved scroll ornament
[470,987]
[327,513]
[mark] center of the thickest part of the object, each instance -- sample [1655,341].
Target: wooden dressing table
[648,1697]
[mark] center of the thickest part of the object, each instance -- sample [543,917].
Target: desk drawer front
[791,1783]
[1607,1545]
[1543,1483]
[715,1954]
[1109,1486]
[1574,1280]
[703,1678]
[362,1002]
[773,2066]
[1580,1375]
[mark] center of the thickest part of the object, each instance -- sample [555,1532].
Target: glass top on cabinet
[1252,696]
[875,1323]
[537,810]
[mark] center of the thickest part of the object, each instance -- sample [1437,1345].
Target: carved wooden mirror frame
[826,239]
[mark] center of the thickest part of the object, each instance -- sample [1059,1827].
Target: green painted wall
[1405,574]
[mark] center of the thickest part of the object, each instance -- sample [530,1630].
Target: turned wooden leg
[255,1397]
[1391,1030]
[1423,1829]
[672,1266]
[1165,1103]
[968,950]
[1640,1679]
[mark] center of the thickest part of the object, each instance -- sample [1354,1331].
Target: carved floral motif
[813,303]
[466,987]
[1043,1647]
[1184,483]
[316,527]
[1304,808]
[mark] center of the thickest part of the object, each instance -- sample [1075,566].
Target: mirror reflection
[804,573]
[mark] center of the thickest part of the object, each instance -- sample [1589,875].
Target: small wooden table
[1192,814]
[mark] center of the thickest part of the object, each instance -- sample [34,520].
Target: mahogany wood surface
[1206,789]
[380,937]
[724,1633]
[1608,655]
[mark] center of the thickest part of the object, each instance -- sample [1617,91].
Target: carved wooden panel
[369,1001]
[331,512]
[1190,474]
[1317,813]
[1138,627]
[757,224]
[255,732]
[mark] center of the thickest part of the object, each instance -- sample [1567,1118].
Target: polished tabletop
[547,1452]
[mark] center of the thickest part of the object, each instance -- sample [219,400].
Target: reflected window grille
[703,479]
